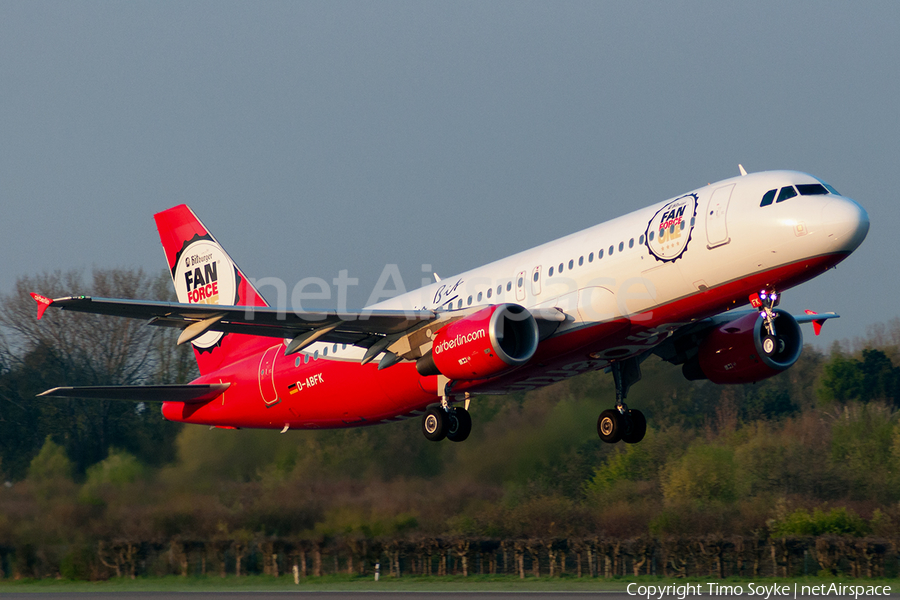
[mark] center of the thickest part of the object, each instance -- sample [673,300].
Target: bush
[837,521]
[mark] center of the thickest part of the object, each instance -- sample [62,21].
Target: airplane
[672,280]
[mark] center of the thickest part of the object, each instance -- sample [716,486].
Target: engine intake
[484,344]
[742,351]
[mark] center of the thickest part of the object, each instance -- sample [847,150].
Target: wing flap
[189,393]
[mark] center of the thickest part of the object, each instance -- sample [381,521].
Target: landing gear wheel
[769,345]
[459,425]
[610,426]
[435,424]
[638,427]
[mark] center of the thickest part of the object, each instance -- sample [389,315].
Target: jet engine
[743,351]
[486,343]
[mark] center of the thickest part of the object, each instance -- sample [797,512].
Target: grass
[409,583]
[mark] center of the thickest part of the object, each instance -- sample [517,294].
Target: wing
[402,333]
[684,341]
[189,394]
[196,319]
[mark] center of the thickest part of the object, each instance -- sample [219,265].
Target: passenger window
[316,355]
[591,257]
[536,275]
[499,289]
[508,285]
[560,267]
[297,362]
[550,272]
[580,261]
[459,304]
[599,254]
[479,296]
[631,243]
[641,240]
[489,292]
[334,349]
[811,189]
[469,301]
[611,249]
[768,198]
[621,246]
[786,193]
[651,236]
[325,352]
[571,264]
[306,359]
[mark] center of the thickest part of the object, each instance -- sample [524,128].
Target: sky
[315,137]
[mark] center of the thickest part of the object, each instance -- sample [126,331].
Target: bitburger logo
[670,229]
[204,275]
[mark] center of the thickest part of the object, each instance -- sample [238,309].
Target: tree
[82,349]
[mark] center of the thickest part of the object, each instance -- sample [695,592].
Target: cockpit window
[786,193]
[829,188]
[768,198]
[811,189]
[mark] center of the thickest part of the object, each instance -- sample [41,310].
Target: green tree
[705,473]
[50,464]
[842,379]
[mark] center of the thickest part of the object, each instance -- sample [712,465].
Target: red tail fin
[204,273]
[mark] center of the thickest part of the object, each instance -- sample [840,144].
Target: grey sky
[313,137]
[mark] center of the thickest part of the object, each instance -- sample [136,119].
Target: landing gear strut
[622,423]
[765,301]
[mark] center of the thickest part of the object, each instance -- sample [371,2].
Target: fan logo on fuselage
[204,275]
[669,231]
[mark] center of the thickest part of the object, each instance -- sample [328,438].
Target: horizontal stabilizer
[816,319]
[189,394]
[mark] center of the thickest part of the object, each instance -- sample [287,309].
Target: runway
[365,595]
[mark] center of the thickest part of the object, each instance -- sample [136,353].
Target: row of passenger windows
[609,251]
[562,266]
[488,294]
[315,355]
[788,192]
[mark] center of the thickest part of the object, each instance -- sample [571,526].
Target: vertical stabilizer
[203,273]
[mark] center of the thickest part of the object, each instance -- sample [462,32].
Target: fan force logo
[204,275]
[669,231]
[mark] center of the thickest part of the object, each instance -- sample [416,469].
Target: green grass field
[410,583]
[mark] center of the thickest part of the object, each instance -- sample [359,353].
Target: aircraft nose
[845,222]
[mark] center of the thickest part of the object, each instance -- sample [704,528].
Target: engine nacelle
[484,344]
[742,351]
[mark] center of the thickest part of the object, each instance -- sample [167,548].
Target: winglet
[43,302]
[817,323]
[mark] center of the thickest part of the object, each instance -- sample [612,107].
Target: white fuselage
[716,235]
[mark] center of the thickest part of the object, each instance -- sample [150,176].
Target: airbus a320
[695,279]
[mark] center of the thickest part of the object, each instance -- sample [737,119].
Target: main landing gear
[444,421]
[454,424]
[622,423]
